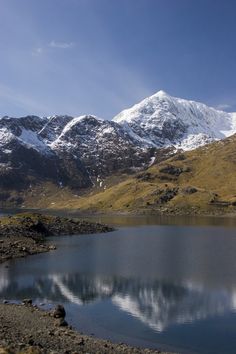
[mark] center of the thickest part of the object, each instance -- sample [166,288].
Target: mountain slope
[102,145]
[26,159]
[198,181]
[76,153]
[161,120]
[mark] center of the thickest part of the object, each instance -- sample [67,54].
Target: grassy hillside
[199,181]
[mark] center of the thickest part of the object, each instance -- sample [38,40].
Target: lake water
[163,286]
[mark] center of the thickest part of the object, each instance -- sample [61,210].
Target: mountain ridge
[163,120]
[82,152]
[197,182]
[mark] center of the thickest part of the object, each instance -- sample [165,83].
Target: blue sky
[102,56]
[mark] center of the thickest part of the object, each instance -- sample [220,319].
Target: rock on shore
[26,329]
[25,234]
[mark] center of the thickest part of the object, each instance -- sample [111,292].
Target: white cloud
[61,45]
[223,106]
[37,51]
[53,44]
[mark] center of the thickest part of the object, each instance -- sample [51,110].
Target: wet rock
[27,302]
[59,312]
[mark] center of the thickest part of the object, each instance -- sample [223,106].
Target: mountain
[75,152]
[25,157]
[201,181]
[161,120]
[82,152]
[103,146]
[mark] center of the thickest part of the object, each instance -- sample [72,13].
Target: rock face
[25,157]
[79,152]
[103,146]
[74,152]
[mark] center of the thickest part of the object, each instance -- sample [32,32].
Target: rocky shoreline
[28,329]
[24,327]
[26,234]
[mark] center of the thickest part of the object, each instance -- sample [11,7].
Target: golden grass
[210,169]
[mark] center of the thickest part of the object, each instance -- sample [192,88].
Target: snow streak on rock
[82,151]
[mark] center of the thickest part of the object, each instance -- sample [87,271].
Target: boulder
[59,312]
[27,302]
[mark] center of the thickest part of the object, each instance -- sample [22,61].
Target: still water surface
[163,286]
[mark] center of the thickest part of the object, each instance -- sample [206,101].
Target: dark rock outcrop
[73,152]
[25,234]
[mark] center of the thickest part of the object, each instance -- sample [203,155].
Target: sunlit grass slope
[203,180]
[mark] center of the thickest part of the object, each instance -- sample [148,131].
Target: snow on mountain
[53,127]
[5,136]
[32,139]
[26,155]
[81,151]
[161,120]
[23,131]
[103,146]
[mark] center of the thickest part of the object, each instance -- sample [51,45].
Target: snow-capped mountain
[103,146]
[81,151]
[161,120]
[77,152]
[26,157]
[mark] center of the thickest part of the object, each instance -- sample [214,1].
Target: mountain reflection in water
[156,303]
[146,285]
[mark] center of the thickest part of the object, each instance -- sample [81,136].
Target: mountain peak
[163,120]
[161,93]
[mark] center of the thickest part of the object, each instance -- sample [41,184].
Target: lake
[156,282]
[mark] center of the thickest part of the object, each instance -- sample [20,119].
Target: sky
[101,56]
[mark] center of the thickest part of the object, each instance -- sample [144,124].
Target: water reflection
[157,304]
[153,284]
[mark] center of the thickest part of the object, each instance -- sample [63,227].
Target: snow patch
[5,136]
[152,160]
[31,139]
